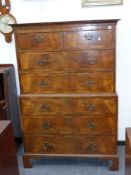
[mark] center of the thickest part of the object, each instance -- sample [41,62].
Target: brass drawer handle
[42,62]
[48,147]
[91,125]
[91,147]
[65,54]
[90,83]
[44,107]
[38,39]
[88,36]
[91,61]
[46,125]
[91,107]
[43,84]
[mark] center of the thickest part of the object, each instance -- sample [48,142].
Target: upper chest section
[66,36]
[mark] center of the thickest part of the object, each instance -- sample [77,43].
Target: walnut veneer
[67,80]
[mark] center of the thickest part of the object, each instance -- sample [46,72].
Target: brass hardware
[88,36]
[65,54]
[46,125]
[90,83]
[43,84]
[38,39]
[42,62]
[91,61]
[45,107]
[91,147]
[48,147]
[91,125]
[91,107]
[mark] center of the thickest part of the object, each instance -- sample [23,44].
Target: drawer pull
[38,39]
[91,61]
[90,83]
[42,62]
[43,84]
[91,107]
[46,125]
[65,54]
[91,125]
[44,107]
[91,147]
[49,147]
[88,36]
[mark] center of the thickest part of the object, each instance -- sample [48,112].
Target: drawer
[72,106]
[67,82]
[103,39]
[39,41]
[66,61]
[69,125]
[69,144]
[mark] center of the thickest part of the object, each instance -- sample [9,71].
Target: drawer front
[103,39]
[69,125]
[71,106]
[67,82]
[68,60]
[39,41]
[69,144]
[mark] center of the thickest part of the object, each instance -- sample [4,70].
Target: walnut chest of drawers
[67,81]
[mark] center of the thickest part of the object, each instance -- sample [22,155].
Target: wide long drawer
[69,125]
[69,144]
[102,39]
[59,105]
[67,82]
[66,61]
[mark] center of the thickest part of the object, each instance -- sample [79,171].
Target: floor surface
[55,166]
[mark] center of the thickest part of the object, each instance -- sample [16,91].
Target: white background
[27,11]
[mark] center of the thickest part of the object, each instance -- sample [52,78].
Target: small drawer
[67,82]
[69,125]
[66,61]
[103,39]
[40,41]
[68,106]
[69,144]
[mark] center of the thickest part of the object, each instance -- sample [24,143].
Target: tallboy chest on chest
[67,82]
